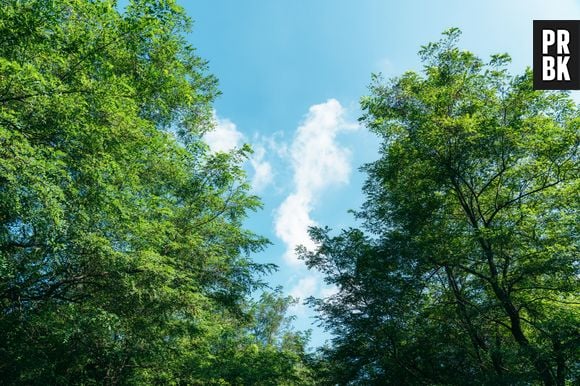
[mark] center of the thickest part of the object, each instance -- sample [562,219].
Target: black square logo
[557,54]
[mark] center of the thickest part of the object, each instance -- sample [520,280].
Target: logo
[557,54]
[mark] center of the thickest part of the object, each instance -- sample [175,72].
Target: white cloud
[318,162]
[310,285]
[306,287]
[262,169]
[317,159]
[276,143]
[292,222]
[328,291]
[224,137]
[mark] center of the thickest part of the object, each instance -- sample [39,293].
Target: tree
[123,258]
[468,270]
[263,351]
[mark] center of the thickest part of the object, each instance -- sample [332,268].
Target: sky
[291,73]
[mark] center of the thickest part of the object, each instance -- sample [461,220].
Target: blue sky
[292,72]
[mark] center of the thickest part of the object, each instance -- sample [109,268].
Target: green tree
[123,258]
[468,270]
[263,350]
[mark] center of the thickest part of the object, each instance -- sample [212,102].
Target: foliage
[123,257]
[265,351]
[468,270]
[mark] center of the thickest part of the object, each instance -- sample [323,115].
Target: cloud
[262,169]
[328,291]
[310,285]
[306,287]
[318,162]
[224,137]
[292,222]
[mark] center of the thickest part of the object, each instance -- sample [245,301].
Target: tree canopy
[466,269]
[123,255]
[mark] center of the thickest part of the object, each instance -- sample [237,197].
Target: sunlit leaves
[123,256]
[470,272]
